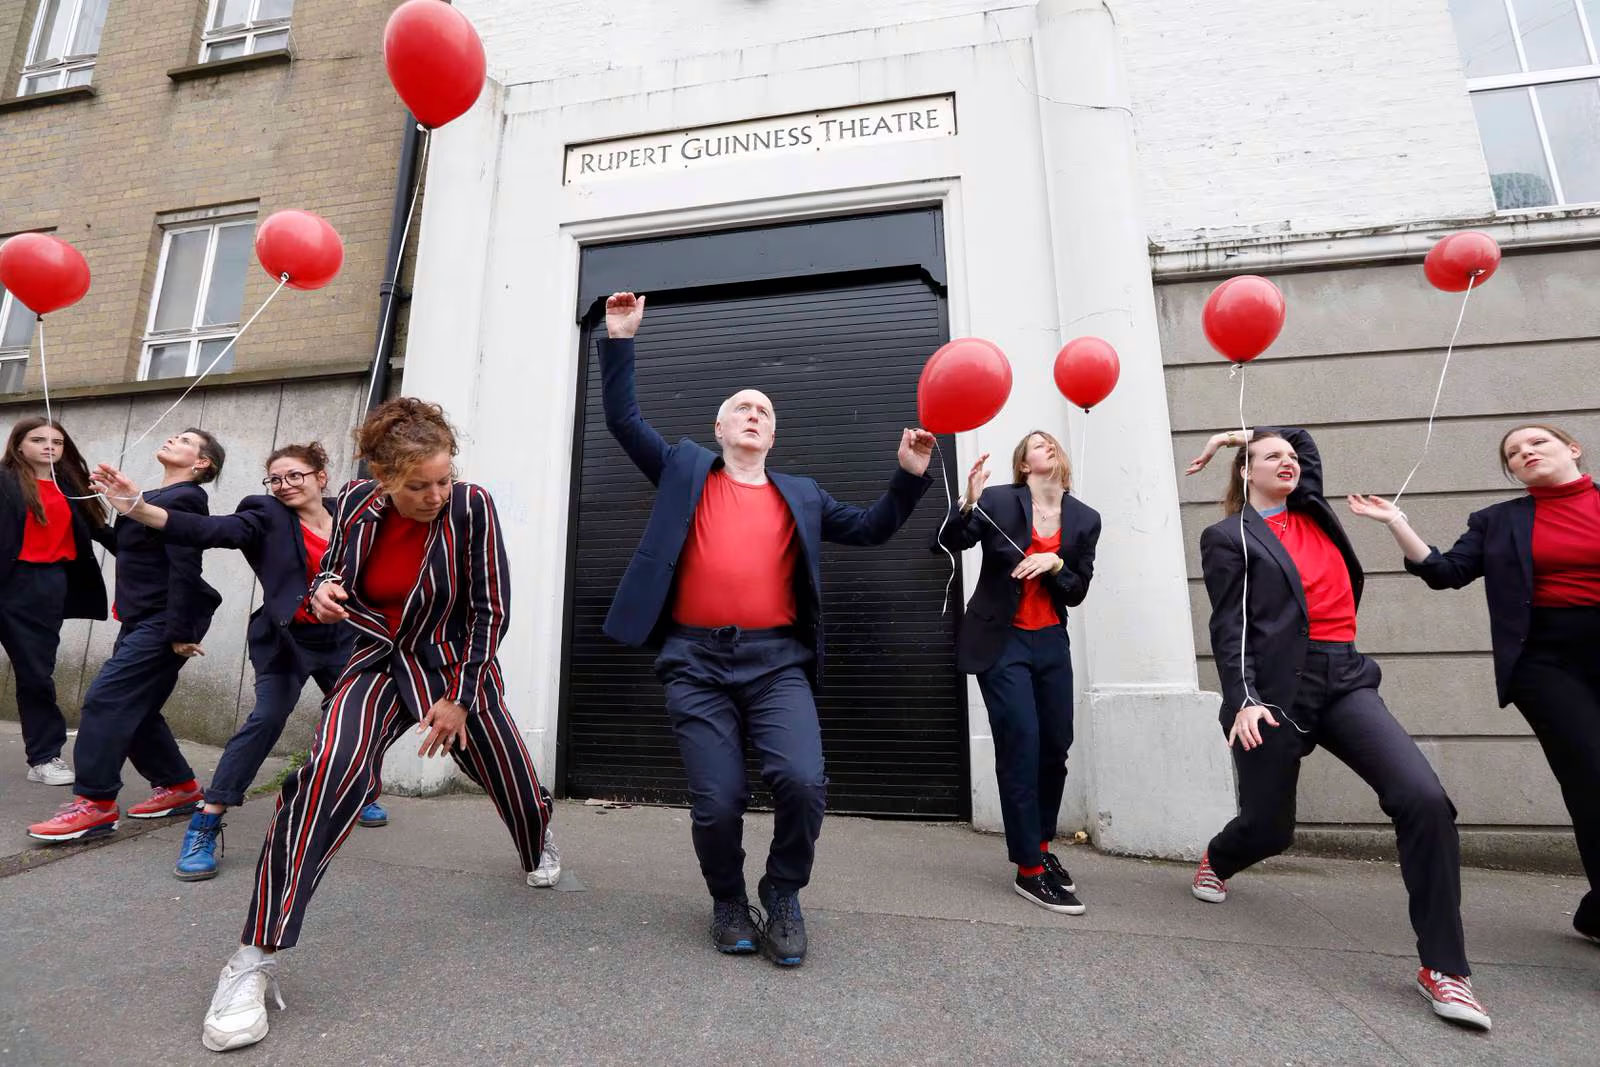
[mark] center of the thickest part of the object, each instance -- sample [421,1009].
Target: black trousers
[1557,688]
[122,717]
[1339,708]
[30,631]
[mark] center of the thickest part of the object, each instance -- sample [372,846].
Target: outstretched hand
[1373,507]
[116,487]
[977,478]
[624,313]
[916,448]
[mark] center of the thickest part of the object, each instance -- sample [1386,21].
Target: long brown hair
[1554,431]
[72,473]
[401,433]
[1233,496]
[1019,456]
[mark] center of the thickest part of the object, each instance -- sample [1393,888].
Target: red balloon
[963,385]
[1243,316]
[44,272]
[1086,371]
[304,246]
[1462,261]
[435,60]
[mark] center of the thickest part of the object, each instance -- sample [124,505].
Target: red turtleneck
[1566,544]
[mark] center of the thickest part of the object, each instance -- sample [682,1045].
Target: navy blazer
[1497,547]
[641,609]
[154,577]
[268,532]
[456,614]
[1280,627]
[86,588]
[987,621]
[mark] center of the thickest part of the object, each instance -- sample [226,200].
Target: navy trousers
[1339,708]
[725,685]
[277,692]
[122,714]
[1028,692]
[30,631]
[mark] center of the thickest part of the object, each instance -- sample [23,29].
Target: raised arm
[961,528]
[1305,449]
[489,601]
[647,448]
[847,524]
[244,529]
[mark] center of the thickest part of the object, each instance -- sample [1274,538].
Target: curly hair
[401,433]
[311,454]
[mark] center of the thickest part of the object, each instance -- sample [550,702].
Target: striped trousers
[319,803]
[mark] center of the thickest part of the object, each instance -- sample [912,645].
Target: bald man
[727,583]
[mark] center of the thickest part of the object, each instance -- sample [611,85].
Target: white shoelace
[241,987]
[1458,990]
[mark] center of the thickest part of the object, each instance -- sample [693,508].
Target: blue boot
[197,858]
[373,815]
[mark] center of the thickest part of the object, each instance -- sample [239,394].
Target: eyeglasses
[292,480]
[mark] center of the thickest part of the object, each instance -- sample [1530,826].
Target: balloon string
[949,506]
[1439,391]
[1020,551]
[405,233]
[1083,453]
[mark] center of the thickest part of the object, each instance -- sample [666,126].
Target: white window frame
[248,31]
[10,305]
[195,333]
[67,65]
[1528,81]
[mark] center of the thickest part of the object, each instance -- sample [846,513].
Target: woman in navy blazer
[1038,559]
[283,536]
[165,608]
[47,573]
[1539,557]
[1284,585]
[417,565]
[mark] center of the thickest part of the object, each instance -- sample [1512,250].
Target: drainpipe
[389,294]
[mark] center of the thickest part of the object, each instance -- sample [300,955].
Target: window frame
[249,31]
[67,65]
[9,305]
[196,333]
[1529,81]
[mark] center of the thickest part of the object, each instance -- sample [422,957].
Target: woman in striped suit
[418,568]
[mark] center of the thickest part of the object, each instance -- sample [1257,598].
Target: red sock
[103,805]
[191,786]
[1044,846]
[1029,872]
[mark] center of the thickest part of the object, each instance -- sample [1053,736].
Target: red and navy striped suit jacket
[457,612]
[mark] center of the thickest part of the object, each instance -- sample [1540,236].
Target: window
[199,291]
[244,27]
[1533,70]
[66,38]
[16,336]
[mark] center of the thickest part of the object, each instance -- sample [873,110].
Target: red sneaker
[80,817]
[1451,998]
[168,800]
[1207,886]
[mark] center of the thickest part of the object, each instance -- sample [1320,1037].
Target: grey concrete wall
[1357,365]
[215,692]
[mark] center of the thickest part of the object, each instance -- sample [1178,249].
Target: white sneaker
[238,1013]
[548,873]
[52,772]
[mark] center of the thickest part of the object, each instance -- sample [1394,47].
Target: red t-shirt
[50,541]
[737,564]
[1566,544]
[394,566]
[1035,609]
[1330,600]
[316,548]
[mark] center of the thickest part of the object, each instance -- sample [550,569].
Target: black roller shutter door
[840,362]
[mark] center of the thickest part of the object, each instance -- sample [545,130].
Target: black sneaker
[1041,889]
[1054,869]
[735,926]
[784,937]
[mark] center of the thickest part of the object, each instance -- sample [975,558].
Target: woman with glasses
[283,536]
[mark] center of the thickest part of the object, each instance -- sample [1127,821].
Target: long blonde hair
[1019,456]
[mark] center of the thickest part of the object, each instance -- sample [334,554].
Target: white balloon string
[1083,454]
[1020,550]
[949,506]
[394,280]
[1439,390]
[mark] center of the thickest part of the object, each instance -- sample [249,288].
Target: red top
[50,541]
[1330,601]
[394,565]
[1566,544]
[1035,609]
[316,548]
[737,564]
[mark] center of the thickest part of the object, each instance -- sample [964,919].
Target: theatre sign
[786,135]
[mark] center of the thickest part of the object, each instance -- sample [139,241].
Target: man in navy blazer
[727,583]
